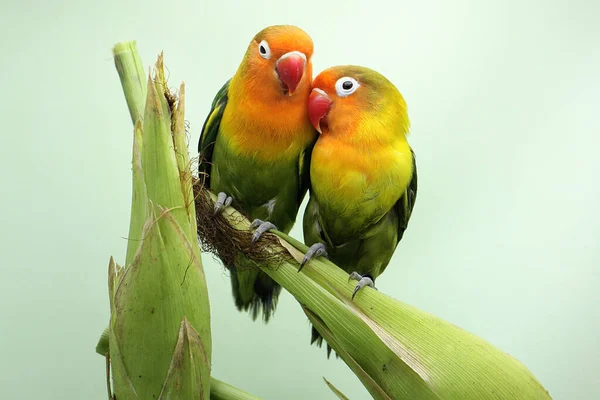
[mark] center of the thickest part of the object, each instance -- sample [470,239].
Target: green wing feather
[404,206]
[304,172]
[210,129]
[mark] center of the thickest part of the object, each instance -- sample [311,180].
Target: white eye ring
[264,50]
[346,86]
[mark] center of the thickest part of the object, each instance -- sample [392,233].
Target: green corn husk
[159,333]
[396,350]
[159,339]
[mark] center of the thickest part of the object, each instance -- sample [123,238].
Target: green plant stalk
[133,80]
[396,350]
[133,77]
[224,391]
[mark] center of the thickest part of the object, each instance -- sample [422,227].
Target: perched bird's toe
[316,250]
[363,280]
[222,202]
[256,223]
[260,227]
[355,275]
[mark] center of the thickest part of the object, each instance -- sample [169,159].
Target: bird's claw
[260,228]
[255,224]
[222,201]
[316,250]
[363,280]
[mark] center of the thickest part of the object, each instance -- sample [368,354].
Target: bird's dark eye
[264,50]
[346,85]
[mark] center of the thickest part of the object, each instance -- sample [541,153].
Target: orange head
[278,60]
[351,101]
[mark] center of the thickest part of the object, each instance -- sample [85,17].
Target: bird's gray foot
[222,201]
[363,280]
[261,227]
[316,250]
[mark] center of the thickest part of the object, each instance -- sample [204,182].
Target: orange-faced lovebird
[363,172]
[255,147]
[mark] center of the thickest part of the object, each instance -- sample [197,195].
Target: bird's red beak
[290,68]
[318,107]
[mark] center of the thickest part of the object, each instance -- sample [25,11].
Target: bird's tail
[254,292]
[318,339]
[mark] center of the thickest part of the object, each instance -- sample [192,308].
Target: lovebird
[363,173]
[255,147]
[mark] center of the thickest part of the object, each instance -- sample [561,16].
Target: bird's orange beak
[318,107]
[290,68]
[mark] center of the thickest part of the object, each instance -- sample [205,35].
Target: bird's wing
[210,130]
[304,172]
[404,206]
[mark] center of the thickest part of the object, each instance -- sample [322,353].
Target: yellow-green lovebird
[363,173]
[255,147]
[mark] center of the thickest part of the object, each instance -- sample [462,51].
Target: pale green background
[504,99]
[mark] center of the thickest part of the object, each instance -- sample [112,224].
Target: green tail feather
[254,291]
